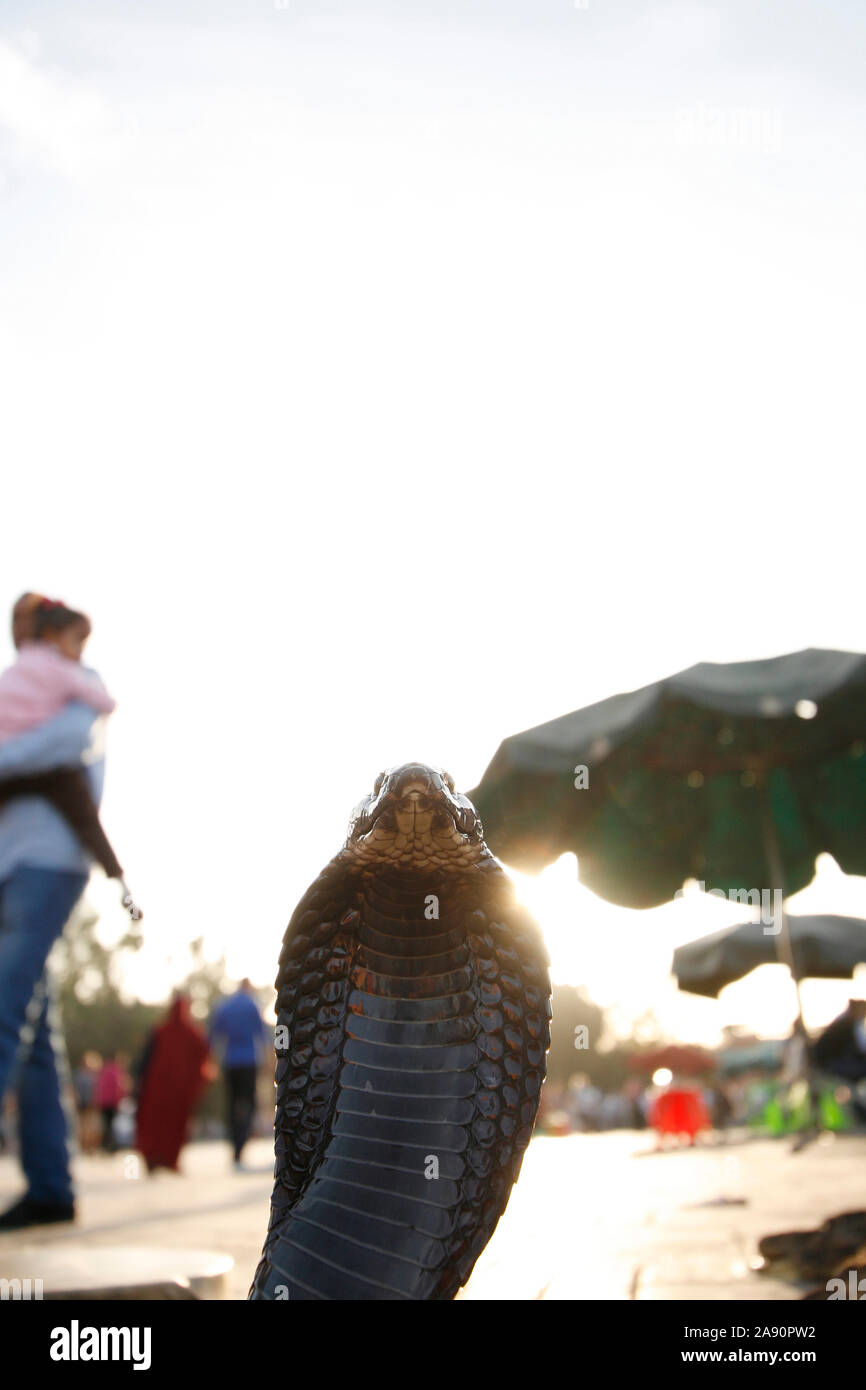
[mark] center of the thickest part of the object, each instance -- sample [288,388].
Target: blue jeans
[34,907]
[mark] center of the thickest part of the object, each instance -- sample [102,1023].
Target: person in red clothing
[173,1073]
[111,1088]
[680,1111]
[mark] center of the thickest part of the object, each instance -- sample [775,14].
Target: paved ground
[593,1216]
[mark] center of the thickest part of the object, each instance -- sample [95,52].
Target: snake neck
[407,1091]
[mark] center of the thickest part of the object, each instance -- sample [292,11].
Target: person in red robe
[173,1073]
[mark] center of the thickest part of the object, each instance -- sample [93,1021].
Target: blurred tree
[575,1032]
[595,1052]
[99,1017]
[206,982]
[96,1014]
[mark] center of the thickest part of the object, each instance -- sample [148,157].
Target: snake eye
[448,780]
[378,783]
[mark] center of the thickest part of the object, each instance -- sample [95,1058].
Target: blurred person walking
[84,1081]
[43,872]
[173,1072]
[112,1087]
[238,1034]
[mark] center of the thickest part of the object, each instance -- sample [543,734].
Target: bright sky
[388,378]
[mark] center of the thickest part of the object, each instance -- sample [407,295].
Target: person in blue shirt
[43,872]
[237,1037]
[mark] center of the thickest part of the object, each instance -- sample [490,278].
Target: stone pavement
[593,1216]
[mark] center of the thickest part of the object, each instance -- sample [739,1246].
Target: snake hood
[413,1002]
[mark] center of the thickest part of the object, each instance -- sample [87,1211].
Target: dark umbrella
[825,948]
[738,775]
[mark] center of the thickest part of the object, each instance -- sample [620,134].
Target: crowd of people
[680,1108]
[148,1103]
[178,1062]
[818,1083]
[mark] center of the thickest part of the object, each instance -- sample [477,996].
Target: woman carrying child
[43,872]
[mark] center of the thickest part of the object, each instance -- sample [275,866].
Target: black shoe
[29,1213]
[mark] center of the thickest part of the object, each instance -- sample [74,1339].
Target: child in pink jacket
[47,675]
[48,672]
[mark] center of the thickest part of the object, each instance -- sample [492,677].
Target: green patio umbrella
[737,775]
[825,947]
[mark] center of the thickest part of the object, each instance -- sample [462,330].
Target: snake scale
[413,1007]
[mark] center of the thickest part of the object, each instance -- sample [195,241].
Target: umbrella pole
[785,952]
[784,945]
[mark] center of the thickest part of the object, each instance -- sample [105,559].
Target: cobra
[413,1006]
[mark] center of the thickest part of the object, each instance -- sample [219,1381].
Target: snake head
[415,819]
